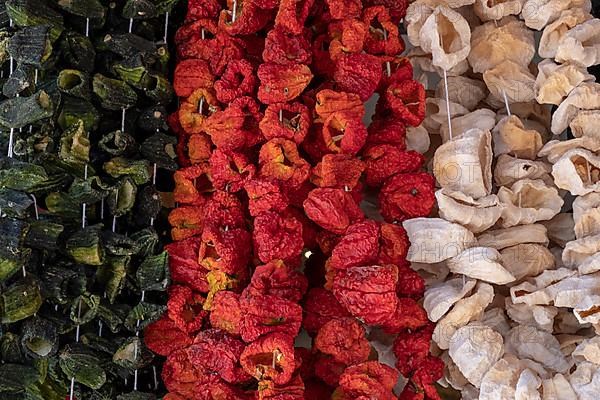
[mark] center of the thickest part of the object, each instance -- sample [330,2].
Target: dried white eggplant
[578,171]
[417,139]
[554,32]
[464,311]
[526,259]
[436,113]
[439,298]
[475,348]
[534,291]
[586,215]
[511,169]
[572,291]
[528,201]
[588,350]
[452,374]
[447,36]
[586,96]
[561,228]
[464,91]
[500,381]
[588,311]
[555,149]
[483,119]
[508,237]
[416,15]
[542,317]
[539,13]
[555,81]
[585,381]
[433,240]
[528,385]
[507,40]
[581,44]
[535,344]
[510,79]
[511,137]
[475,215]
[557,388]
[496,10]
[464,164]
[585,124]
[496,319]
[483,263]
[423,61]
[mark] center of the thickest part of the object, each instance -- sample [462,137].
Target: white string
[87,27]
[201,105]
[114,219]
[76,341]
[448,104]
[202,34]
[123,120]
[10,142]
[281,115]
[166,27]
[130,24]
[84,205]
[388,66]
[155,378]
[234,11]
[506,102]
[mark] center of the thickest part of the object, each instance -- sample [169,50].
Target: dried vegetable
[83,137]
[512,285]
[283,286]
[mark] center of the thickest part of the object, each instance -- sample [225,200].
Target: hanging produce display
[283,287]
[83,137]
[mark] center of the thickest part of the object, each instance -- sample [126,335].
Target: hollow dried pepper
[320,307]
[277,279]
[225,312]
[410,283]
[332,209]
[218,353]
[235,127]
[279,160]
[406,196]
[406,100]
[163,337]
[411,348]
[191,185]
[184,266]
[292,14]
[347,36]
[224,211]
[230,171]
[344,134]
[285,47]
[277,236]
[199,148]
[248,19]
[343,9]
[397,8]
[180,375]
[370,379]
[393,244]
[238,80]
[387,130]
[358,73]
[191,75]
[185,308]
[329,370]
[343,339]
[266,314]
[329,102]
[270,357]
[322,63]
[219,281]
[359,246]
[383,36]
[340,171]
[427,373]
[226,250]
[195,110]
[282,83]
[264,195]
[409,315]
[186,221]
[400,70]
[198,9]
[368,292]
[293,390]
[383,161]
[286,120]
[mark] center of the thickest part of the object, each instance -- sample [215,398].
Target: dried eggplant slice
[84,365]
[83,8]
[19,301]
[35,12]
[19,112]
[31,45]
[113,94]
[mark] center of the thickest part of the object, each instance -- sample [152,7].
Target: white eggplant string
[12,130]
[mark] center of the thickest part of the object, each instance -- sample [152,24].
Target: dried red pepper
[277,279]
[385,160]
[359,246]
[358,73]
[383,37]
[292,14]
[184,266]
[270,357]
[279,160]
[230,171]
[409,315]
[191,75]
[347,36]
[185,308]
[370,379]
[285,47]
[226,250]
[282,83]
[195,110]
[344,9]
[406,100]
[293,390]
[405,196]
[332,209]
[343,339]
[266,314]
[164,337]
[225,312]
[286,120]
[277,236]
[249,18]
[238,80]
[411,348]
[320,307]
[330,102]
[264,195]
[393,244]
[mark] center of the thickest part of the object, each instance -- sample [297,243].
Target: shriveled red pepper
[412,348]
[236,127]
[329,370]
[397,8]
[370,379]
[358,73]
[270,357]
[186,221]
[285,47]
[198,9]
[277,279]
[282,83]
[238,80]
[368,292]
[393,244]
[286,120]
[387,130]
[406,100]
[226,250]
[340,171]
[409,315]
[266,314]
[199,148]
[230,170]
[248,19]
[385,160]
[184,266]
[191,75]
[383,37]
[320,307]
[265,195]
[329,102]
[185,308]
[332,209]
[292,14]
[277,236]
[218,353]
[400,70]
[359,246]
[344,9]
[344,339]
[279,160]
[405,196]
[347,36]
[195,110]
[192,184]
[410,283]
[293,390]
[343,133]
[428,372]
[164,337]
[225,312]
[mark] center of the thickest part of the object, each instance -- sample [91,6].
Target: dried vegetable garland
[270,242]
[513,285]
[83,123]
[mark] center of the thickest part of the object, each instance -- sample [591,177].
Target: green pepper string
[12,130]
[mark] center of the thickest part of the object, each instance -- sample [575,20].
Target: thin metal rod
[165,36]
[388,66]
[448,104]
[234,11]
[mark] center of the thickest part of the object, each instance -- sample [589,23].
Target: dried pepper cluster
[83,134]
[271,242]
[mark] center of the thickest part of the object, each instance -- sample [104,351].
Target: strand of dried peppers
[282,285]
